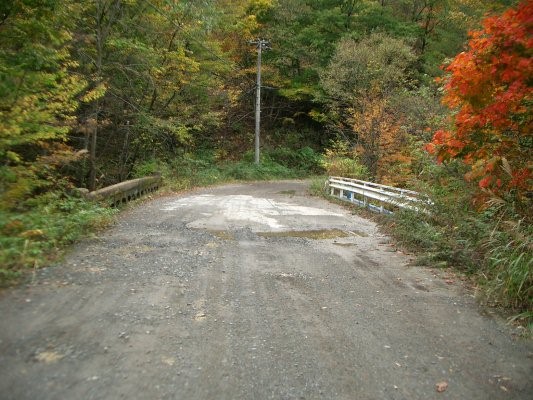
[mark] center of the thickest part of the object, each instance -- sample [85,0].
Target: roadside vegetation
[492,244]
[35,234]
[431,95]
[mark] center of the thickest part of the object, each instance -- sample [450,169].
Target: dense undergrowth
[494,247]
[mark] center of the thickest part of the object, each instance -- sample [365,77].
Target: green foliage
[318,185]
[305,159]
[148,167]
[34,238]
[37,90]
[38,94]
[377,64]
[378,18]
[339,160]
[203,168]
[509,276]
[264,171]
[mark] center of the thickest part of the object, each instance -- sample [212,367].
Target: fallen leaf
[441,386]
[32,234]
[168,360]
[48,357]
[200,316]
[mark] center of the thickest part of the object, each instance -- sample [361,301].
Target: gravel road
[251,291]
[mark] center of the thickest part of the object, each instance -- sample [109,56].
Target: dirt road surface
[251,292]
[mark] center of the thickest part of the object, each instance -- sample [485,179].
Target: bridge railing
[379,198]
[126,191]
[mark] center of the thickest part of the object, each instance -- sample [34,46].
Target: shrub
[34,237]
[339,160]
[305,159]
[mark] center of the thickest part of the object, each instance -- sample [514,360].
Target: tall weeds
[33,235]
[492,242]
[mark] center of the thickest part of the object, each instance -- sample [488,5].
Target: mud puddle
[320,234]
[221,234]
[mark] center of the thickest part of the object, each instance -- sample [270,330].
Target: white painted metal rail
[379,198]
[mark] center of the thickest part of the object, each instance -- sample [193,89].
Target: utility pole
[261,45]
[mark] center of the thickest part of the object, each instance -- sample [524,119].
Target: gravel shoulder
[251,291]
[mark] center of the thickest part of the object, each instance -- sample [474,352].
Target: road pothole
[320,234]
[221,234]
[345,244]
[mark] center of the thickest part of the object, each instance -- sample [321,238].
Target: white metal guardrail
[379,198]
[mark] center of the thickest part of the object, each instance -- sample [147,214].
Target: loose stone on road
[253,291]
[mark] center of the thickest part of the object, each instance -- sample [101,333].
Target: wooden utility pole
[261,44]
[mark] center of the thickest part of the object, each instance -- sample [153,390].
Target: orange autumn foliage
[382,145]
[489,87]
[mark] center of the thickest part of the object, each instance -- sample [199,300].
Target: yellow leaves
[13,157]
[176,69]
[233,95]
[22,182]
[248,27]
[34,234]
[95,93]
[318,116]
[261,4]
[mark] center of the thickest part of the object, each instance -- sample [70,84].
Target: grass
[497,253]
[494,246]
[35,236]
[203,169]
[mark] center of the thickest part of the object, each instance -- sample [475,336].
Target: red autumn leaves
[489,88]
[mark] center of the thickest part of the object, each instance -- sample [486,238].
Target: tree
[489,89]
[38,91]
[378,63]
[157,77]
[361,80]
